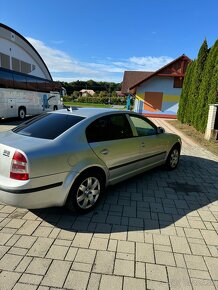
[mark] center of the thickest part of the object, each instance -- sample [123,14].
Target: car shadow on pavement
[153,200]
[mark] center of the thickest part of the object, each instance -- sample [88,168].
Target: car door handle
[104,151]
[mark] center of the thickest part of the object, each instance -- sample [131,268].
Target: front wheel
[85,192]
[173,158]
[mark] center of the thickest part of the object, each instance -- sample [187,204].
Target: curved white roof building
[17,54]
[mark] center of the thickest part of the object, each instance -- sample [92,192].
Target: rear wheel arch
[93,172]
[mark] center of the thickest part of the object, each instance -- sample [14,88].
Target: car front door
[112,140]
[153,145]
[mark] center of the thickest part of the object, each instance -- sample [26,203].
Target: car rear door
[111,138]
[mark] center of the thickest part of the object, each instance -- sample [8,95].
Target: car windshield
[47,126]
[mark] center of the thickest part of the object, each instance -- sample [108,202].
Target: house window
[178,82]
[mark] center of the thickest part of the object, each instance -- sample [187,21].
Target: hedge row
[200,88]
[97,100]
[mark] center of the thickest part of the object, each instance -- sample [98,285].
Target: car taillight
[19,169]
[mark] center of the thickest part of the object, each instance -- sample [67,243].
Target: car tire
[22,113]
[85,192]
[173,158]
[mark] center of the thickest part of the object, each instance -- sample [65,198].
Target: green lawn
[77,104]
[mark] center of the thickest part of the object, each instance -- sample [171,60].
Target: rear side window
[107,128]
[47,126]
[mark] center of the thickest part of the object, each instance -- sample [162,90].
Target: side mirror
[160,130]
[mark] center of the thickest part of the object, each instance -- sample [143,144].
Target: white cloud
[57,60]
[63,67]
[150,62]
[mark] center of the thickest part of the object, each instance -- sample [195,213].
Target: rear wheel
[173,158]
[85,192]
[22,113]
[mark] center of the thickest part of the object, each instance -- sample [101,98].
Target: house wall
[158,97]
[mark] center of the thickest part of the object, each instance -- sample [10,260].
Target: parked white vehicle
[22,95]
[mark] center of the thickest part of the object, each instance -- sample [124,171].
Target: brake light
[19,168]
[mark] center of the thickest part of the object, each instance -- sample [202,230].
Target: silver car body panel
[54,165]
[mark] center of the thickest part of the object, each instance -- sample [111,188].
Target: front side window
[112,127]
[143,127]
[47,126]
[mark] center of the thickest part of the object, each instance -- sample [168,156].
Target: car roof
[86,112]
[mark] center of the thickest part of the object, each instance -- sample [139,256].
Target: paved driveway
[158,230]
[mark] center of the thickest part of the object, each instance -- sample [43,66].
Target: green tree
[213,93]
[185,93]
[206,88]
[198,73]
[188,102]
[75,94]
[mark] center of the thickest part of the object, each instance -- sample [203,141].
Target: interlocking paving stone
[126,247]
[40,247]
[104,262]
[200,284]
[112,282]
[210,237]
[82,240]
[178,278]
[180,245]
[76,280]
[165,258]
[8,279]
[56,274]
[133,283]
[144,253]
[94,281]
[85,256]
[156,272]
[23,264]
[195,262]
[140,270]
[157,285]
[98,244]
[212,264]
[57,252]
[21,286]
[124,268]
[4,238]
[9,262]
[28,227]
[71,254]
[30,279]
[25,242]
[38,266]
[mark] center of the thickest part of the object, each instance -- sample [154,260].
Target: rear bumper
[44,196]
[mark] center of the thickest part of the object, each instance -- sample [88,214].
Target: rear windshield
[47,126]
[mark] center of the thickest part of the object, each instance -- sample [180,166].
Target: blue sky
[99,39]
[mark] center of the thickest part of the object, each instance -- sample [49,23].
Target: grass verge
[196,136]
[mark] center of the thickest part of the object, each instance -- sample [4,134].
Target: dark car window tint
[143,127]
[107,128]
[47,126]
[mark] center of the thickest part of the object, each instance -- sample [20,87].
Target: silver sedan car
[68,157]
